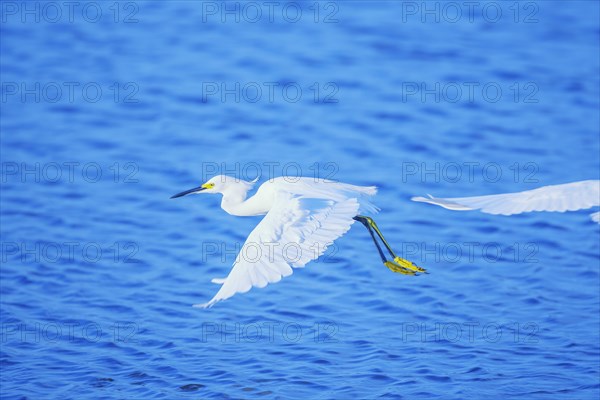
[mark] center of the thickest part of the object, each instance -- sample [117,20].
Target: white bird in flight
[303,217]
[560,198]
[307,215]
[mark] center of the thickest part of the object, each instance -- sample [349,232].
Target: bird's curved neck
[232,202]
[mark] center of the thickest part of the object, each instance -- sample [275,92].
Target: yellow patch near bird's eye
[208,186]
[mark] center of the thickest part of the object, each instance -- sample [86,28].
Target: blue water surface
[109,110]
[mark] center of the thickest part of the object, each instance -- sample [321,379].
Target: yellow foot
[398,268]
[408,265]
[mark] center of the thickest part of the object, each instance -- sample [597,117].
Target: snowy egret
[303,214]
[566,197]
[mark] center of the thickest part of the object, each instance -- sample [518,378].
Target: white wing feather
[297,229]
[560,198]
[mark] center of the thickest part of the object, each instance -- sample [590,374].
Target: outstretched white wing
[561,198]
[296,230]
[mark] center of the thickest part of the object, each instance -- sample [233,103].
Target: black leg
[372,223]
[398,264]
[366,224]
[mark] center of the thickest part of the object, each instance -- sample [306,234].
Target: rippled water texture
[100,268]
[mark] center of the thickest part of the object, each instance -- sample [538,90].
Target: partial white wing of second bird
[558,198]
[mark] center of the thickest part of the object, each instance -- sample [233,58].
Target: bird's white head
[220,184]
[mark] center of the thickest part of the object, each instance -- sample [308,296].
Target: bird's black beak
[194,190]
